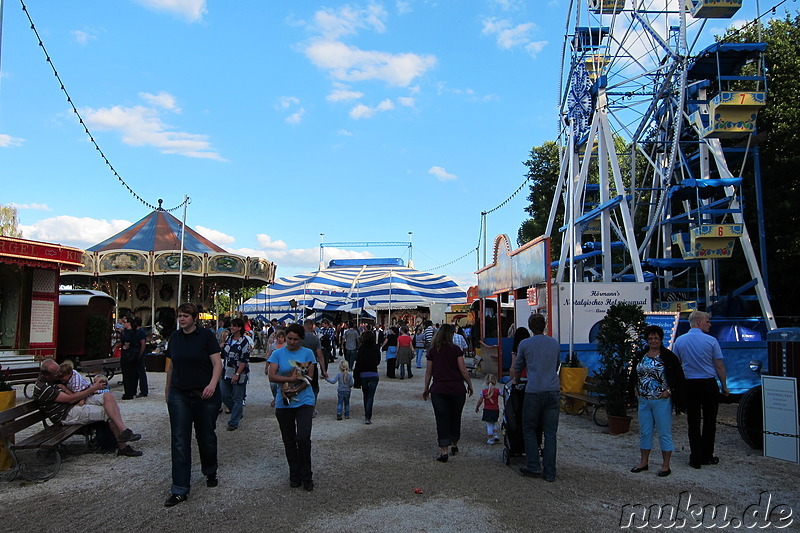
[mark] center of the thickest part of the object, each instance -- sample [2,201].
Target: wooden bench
[49,442]
[22,370]
[576,403]
[109,367]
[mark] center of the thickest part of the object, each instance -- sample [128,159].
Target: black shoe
[442,458]
[527,472]
[454,450]
[637,469]
[232,428]
[127,398]
[410,376]
[175,499]
[127,451]
[294,484]
[695,465]
[308,485]
[127,435]
[212,481]
[712,461]
[338,417]
[141,395]
[664,473]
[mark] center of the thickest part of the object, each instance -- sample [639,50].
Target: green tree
[9,223]
[779,132]
[542,164]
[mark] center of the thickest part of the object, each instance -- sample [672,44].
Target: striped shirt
[45,394]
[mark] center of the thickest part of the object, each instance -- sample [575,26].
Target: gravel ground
[366,476]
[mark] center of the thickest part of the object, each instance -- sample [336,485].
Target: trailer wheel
[506,456]
[749,418]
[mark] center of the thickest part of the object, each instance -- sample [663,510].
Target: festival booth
[140,267]
[511,288]
[382,289]
[29,281]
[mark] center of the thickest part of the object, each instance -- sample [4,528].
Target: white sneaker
[491,441]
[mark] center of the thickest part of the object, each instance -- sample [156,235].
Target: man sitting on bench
[62,407]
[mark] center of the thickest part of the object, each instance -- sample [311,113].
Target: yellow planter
[8,399]
[572,379]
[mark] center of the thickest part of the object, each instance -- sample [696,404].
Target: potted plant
[619,338]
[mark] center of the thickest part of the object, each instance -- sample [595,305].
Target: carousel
[141,266]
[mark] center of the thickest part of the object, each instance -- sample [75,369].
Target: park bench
[587,400]
[22,370]
[48,442]
[109,367]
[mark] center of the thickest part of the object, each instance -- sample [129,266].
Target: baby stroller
[511,427]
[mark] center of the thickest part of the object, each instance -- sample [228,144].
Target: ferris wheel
[655,128]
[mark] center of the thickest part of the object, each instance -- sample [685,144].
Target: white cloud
[508,5]
[7,141]
[346,133]
[83,37]
[285,102]
[266,242]
[363,111]
[296,117]
[38,207]
[509,36]
[215,236]
[341,94]
[403,8]
[73,231]
[347,20]
[351,64]
[441,173]
[163,100]
[190,10]
[406,101]
[143,126]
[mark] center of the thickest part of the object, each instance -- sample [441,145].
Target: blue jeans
[232,397]
[420,355]
[351,356]
[368,388]
[541,409]
[186,409]
[447,410]
[343,403]
[295,424]
[658,414]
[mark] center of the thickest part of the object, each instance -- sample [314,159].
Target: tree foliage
[9,223]
[542,164]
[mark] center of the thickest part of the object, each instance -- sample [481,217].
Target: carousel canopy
[353,285]
[159,231]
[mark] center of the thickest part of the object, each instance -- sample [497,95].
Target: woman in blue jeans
[193,399]
[366,371]
[448,393]
[292,367]
[658,381]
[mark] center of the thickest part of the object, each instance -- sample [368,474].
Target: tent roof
[159,231]
[346,288]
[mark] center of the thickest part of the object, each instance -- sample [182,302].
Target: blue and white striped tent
[363,285]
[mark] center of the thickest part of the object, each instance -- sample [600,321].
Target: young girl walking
[490,399]
[345,384]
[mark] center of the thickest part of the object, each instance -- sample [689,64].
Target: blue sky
[281,120]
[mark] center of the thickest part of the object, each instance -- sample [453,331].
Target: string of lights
[513,194]
[474,250]
[83,124]
[772,10]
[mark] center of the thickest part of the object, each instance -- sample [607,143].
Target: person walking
[540,354]
[445,379]
[350,339]
[293,367]
[365,373]
[657,379]
[193,371]
[701,357]
[344,379]
[390,347]
[236,353]
[419,345]
[490,399]
[405,352]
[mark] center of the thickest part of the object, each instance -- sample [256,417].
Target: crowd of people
[208,371]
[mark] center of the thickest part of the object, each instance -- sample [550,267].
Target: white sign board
[590,301]
[780,416]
